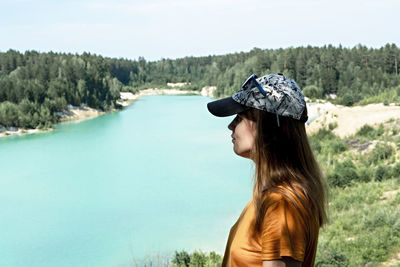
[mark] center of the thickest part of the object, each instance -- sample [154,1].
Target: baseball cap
[274,93]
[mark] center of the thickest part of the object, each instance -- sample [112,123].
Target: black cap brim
[225,107]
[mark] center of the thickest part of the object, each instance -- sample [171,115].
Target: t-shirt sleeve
[283,232]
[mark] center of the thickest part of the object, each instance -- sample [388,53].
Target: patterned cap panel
[283,96]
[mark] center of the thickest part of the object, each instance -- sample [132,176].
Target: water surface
[156,177]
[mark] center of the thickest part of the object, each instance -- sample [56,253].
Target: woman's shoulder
[285,192]
[292,197]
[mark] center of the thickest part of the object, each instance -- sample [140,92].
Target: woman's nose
[232,125]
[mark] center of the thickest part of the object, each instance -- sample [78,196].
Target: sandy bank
[127,97]
[316,109]
[208,91]
[350,119]
[74,113]
[19,131]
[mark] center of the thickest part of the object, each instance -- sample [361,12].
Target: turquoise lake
[157,177]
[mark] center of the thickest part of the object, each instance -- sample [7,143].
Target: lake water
[156,177]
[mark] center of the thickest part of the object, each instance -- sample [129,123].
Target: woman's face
[243,135]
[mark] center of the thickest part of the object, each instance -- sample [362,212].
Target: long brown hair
[285,163]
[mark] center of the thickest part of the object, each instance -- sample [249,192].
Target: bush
[313,91]
[181,259]
[365,131]
[396,171]
[196,259]
[336,146]
[380,131]
[343,174]
[332,125]
[365,174]
[380,152]
[382,173]
[331,257]
[348,99]
[369,132]
[8,114]
[320,137]
[215,259]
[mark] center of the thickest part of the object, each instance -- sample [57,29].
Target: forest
[35,87]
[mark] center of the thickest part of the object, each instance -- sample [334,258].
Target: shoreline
[347,120]
[322,114]
[79,114]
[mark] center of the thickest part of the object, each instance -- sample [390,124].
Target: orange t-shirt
[287,231]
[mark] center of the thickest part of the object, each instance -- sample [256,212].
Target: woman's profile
[280,224]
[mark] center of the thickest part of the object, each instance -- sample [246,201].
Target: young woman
[280,224]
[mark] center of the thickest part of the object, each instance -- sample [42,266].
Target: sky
[156,29]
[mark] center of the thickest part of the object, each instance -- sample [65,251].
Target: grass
[364,225]
[364,196]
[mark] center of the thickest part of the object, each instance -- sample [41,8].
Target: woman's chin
[244,154]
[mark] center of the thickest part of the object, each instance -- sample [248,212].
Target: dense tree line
[35,86]
[352,74]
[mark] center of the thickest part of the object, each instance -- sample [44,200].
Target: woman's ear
[253,126]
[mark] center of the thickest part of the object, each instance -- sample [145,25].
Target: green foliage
[382,173]
[181,259]
[365,174]
[332,257]
[363,225]
[364,203]
[396,171]
[336,146]
[8,114]
[196,259]
[348,99]
[325,142]
[332,125]
[313,91]
[369,132]
[343,174]
[366,131]
[382,151]
[38,85]
[317,140]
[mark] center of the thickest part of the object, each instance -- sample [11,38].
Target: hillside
[347,120]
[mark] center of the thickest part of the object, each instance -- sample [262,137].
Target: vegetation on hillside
[363,171]
[35,86]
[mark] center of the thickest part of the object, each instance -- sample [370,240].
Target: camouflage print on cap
[283,96]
